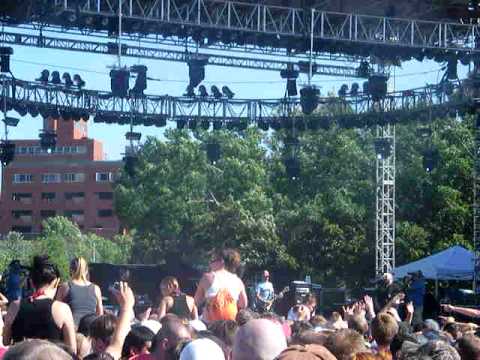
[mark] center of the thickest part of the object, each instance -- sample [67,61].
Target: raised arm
[62,315]
[9,319]
[242,298]
[474,313]
[98,296]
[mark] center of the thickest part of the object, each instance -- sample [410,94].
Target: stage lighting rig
[5,53]
[383,148]
[227,92]
[309,99]
[7,152]
[291,76]
[67,80]
[119,82]
[48,140]
[214,152]
[141,80]
[215,92]
[44,76]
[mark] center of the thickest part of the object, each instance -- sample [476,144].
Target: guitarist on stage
[264,293]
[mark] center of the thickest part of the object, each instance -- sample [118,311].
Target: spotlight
[48,140]
[213,152]
[291,75]
[196,71]
[309,99]
[133,136]
[67,79]
[11,121]
[20,108]
[78,81]
[44,75]
[354,89]
[141,80]
[7,152]
[342,92]
[215,92]
[431,157]
[33,110]
[130,164]
[383,148]
[119,82]
[292,168]
[5,53]
[202,91]
[227,92]
[56,78]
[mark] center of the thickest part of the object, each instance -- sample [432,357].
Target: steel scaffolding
[385,200]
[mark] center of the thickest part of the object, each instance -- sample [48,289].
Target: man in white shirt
[264,293]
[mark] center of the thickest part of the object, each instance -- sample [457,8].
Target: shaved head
[259,339]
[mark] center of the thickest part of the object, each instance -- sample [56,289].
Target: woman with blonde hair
[176,302]
[83,296]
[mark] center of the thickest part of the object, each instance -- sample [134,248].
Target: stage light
[78,81]
[130,164]
[192,124]
[48,140]
[11,121]
[215,92]
[227,92]
[292,168]
[133,136]
[202,91]
[383,148]
[431,157]
[205,124]
[32,110]
[21,108]
[291,75]
[309,99]
[354,89]
[196,70]
[119,82]
[7,152]
[213,152]
[342,92]
[5,53]
[44,75]
[56,78]
[160,121]
[141,80]
[190,92]
[377,86]
[67,79]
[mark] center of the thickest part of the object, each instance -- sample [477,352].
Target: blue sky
[27,63]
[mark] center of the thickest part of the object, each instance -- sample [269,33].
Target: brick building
[74,180]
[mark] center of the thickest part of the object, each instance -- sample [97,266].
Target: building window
[48,196]
[22,229]
[21,197]
[74,177]
[47,213]
[105,195]
[51,178]
[22,178]
[104,176]
[74,195]
[17,214]
[105,213]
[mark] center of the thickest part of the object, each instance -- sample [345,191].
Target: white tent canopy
[455,263]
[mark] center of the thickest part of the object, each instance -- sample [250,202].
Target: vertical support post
[476,207]
[385,205]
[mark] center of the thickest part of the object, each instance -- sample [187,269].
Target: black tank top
[34,320]
[180,307]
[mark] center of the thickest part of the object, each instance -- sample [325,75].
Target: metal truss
[359,111]
[287,22]
[476,207]
[98,47]
[385,201]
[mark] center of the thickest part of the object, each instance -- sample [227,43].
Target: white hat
[153,325]
[198,325]
[202,349]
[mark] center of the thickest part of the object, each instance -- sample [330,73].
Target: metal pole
[119,33]
[310,70]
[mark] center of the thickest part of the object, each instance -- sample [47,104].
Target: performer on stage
[264,293]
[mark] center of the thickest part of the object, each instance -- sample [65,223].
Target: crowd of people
[68,320]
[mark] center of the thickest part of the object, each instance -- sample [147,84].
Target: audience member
[138,341]
[345,343]
[469,347]
[202,349]
[36,349]
[174,301]
[384,330]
